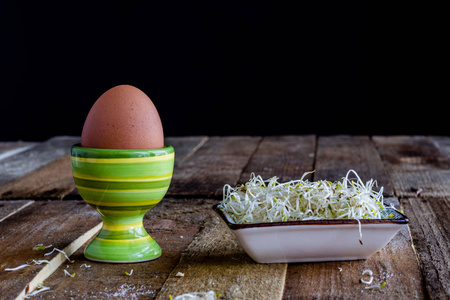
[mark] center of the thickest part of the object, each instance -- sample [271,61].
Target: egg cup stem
[122,239]
[122,185]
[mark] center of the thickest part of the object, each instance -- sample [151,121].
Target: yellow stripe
[121,227]
[125,203]
[125,179]
[122,191]
[124,160]
[126,241]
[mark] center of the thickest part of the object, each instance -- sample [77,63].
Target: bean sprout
[197,296]
[40,262]
[36,262]
[60,251]
[17,268]
[262,201]
[376,286]
[41,288]
[67,273]
[41,247]
[368,271]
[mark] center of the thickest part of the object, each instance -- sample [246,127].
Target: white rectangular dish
[315,240]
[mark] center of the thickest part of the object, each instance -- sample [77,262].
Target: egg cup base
[112,251]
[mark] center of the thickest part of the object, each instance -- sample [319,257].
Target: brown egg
[123,118]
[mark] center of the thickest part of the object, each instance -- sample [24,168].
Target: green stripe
[94,196]
[123,210]
[113,185]
[130,251]
[79,151]
[119,170]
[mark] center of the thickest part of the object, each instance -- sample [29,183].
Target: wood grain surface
[218,161]
[430,230]
[286,157]
[173,224]
[416,165]
[39,204]
[53,223]
[9,208]
[214,261]
[37,156]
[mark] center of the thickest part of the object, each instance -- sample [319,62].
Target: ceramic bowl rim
[401,221]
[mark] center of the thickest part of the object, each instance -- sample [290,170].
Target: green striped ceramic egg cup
[122,185]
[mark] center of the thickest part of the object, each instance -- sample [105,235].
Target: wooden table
[40,205]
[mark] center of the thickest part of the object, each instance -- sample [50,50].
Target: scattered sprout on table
[376,286]
[368,271]
[17,268]
[36,262]
[129,274]
[211,295]
[180,274]
[41,261]
[41,247]
[67,273]
[39,289]
[61,251]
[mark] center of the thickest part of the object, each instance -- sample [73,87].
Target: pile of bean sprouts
[262,201]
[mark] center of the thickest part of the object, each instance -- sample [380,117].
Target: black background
[224,68]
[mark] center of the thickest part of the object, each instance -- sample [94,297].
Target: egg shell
[123,117]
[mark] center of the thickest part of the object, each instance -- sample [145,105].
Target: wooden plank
[56,223]
[218,161]
[443,143]
[215,261]
[51,181]
[430,230]
[286,157]
[54,180]
[396,264]
[8,208]
[185,146]
[55,262]
[336,155]
[173,223]
[415,165]
[8,149]
[24,162]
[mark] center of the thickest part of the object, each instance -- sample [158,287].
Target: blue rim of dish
[399,218]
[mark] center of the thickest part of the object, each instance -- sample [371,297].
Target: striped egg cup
[122,185]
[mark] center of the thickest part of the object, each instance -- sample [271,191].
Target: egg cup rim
[167,149]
